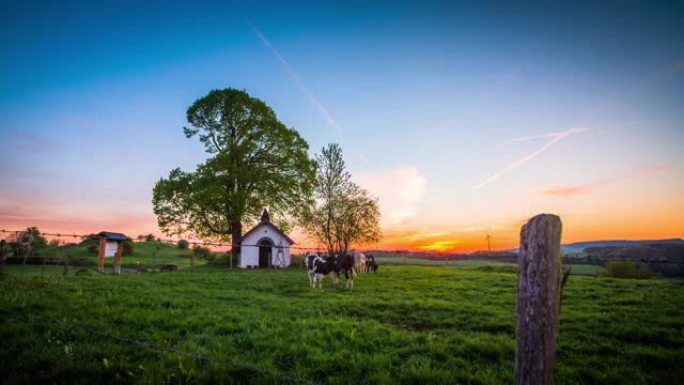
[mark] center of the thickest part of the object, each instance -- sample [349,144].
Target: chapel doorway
[265,252]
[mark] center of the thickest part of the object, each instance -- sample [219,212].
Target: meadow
[402,325]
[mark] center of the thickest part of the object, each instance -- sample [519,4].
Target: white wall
[111,249]
[249,255]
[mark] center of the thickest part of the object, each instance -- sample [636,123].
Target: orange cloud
[572,191]
[566,191]
[399,191]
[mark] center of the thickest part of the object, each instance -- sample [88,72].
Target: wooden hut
[111,246]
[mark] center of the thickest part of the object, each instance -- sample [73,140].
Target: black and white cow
[318,267]
[345,264]
[371,265]
[359,262]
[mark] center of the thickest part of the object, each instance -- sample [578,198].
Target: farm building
[265,246]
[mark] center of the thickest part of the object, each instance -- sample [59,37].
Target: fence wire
[168,240]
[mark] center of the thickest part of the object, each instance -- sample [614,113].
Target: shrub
[202,252]
[182,244]
[223,259]
[627,269]
[297,260]
[127,248]
[93,248]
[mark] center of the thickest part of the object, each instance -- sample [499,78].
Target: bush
[223,259]
[297,260]
[127,248]
[93,248]
[202,252]
[182,244]
[626,269]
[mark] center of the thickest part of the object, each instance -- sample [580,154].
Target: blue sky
[426,97]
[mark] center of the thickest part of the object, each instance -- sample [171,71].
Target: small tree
[182,244]
[340,213]
[29,242]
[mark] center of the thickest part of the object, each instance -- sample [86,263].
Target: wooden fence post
[101,254]
[117,257]
[538,300]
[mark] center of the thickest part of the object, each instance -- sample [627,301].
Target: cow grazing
[371,265]
[345,263]
[360,262]
[317,268]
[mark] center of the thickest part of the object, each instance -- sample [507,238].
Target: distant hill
[579,247]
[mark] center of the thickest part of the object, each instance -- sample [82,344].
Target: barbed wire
[155,348]
[170,240]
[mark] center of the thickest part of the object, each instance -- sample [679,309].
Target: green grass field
[480,264]
[403,325]
[148,254]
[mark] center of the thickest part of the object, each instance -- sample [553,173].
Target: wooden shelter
[111,245]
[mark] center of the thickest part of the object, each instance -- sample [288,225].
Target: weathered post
[101,254]
[117,257]
[538,301]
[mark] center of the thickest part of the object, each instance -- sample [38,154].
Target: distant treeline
[666,259]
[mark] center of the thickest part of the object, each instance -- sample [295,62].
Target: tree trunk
[538,300]
[236,237]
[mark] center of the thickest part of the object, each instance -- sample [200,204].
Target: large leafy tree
[256,162]
[341,213]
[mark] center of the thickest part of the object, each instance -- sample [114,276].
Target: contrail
[555,138]
[298,80]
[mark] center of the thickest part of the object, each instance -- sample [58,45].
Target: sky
[464,119]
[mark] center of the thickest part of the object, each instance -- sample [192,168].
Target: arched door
[265,252]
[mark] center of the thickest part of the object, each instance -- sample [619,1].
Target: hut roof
[110,236]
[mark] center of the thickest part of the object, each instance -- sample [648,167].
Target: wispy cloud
[399,191]
[566,191]
[554,137]
[27,142]
[575,190]
[297,80]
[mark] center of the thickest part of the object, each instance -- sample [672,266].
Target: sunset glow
[462,123]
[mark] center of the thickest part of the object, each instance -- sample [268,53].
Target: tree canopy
[341,213]
[256,162]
